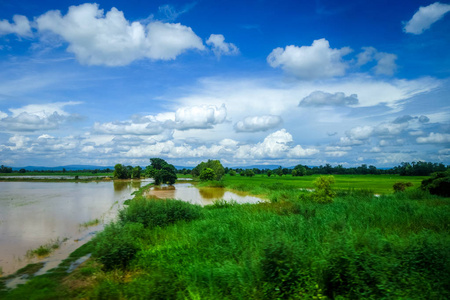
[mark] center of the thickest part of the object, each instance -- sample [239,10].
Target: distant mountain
[60,168]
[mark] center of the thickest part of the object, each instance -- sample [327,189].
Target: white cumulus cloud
[258,123]
[20,26]
[434,138]
[36,117]
[310,62]
[200,117]
[109,39]
[220,47]
[425,17]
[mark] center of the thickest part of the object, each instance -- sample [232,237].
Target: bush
[323,192]
[207,174]
[401,186]
[152,213]
[116,246]
[439,184]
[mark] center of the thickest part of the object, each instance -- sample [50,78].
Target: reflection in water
[212,193]
[203,196]
[34,213]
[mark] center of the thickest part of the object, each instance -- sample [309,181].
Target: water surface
[35,213]
[203,195]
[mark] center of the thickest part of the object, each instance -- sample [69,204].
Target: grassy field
[378,184]
[394,246]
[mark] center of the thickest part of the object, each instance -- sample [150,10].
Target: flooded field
[203,196]
[38,213]
[33,214]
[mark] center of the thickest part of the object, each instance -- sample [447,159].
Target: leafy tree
[232,173]
[323,192]
[439,184]
[161,171]
[120,172]
[300,170]
[249,173]
[279,171]
[22,171]
[136,172]
[269,173]
[207,174]
[215,165]
[4,169]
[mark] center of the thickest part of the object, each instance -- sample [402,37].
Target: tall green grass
[359,246]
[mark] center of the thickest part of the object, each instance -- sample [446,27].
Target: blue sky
[254,82]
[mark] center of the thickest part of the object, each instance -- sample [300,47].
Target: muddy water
[203,196]
[35,213]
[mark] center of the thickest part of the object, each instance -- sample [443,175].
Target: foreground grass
[359,246]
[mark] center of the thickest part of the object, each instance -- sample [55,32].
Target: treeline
[159,170]
[4,169]
[404,169]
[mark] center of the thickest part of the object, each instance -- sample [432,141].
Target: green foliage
[136,172]
[161,171]
[117,245]
[439,184]
[401,186]
[249,173]
[153,213]
[323,192]
[215,165]
[121,172]
[269,173]
[207,174]
[232,173]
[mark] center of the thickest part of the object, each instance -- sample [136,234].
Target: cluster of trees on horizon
[419,168]
[404,169]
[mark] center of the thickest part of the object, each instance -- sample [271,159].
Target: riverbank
[358,246]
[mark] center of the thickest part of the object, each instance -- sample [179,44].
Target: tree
[401,186]
[161,171]
[232,173]
[439,184]
[136,172]
[215,165]
[269,173]
[323,192]
[207,174]
[120,172]
[249,173]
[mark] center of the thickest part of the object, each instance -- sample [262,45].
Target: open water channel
[37,213]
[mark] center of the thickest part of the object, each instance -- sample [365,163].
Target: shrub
[401,186]
[439,184]
[152,213]
[323,192]
[117,245]
[207,174]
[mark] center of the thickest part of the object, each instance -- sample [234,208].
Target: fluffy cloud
[319,98]
[310,62]
[425,17]
[21,26]
[36,117]
[275,145]
[220,47]
[258,123]
[99,39]
[199,117]
[185,118]
[385,61]
[434,138]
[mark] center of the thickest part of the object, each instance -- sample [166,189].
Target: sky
[247,82]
